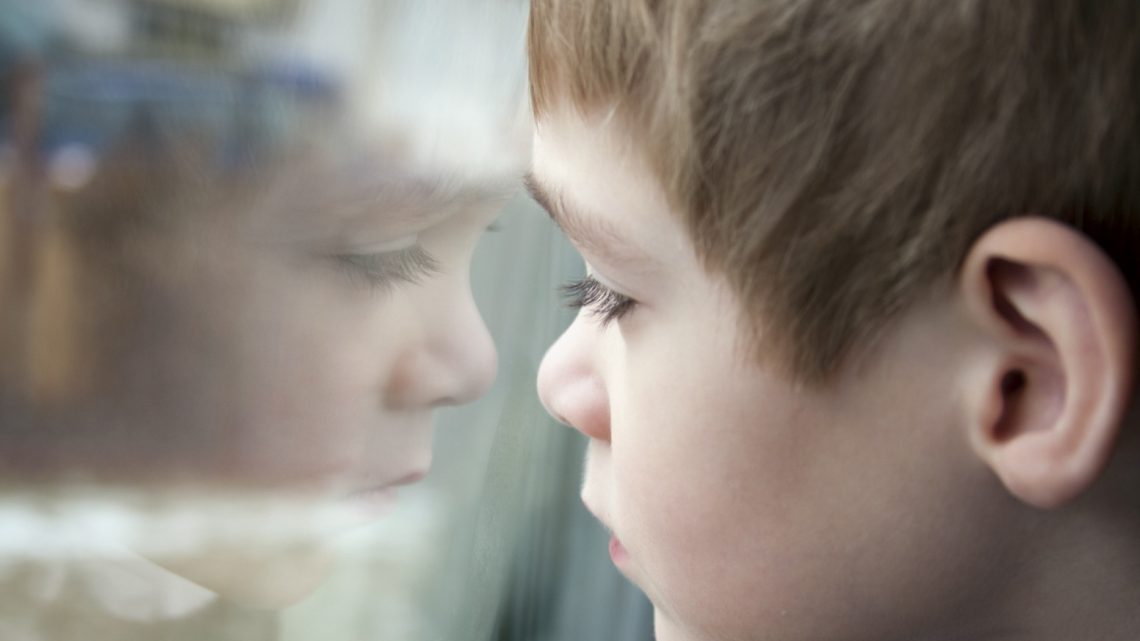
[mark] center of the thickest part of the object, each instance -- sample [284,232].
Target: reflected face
[746,505]
[333,336]
[251,279]
[296,344]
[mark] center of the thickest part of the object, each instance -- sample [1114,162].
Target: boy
[859,352]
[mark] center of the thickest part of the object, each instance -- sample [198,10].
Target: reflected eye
[600,300]
[382,270]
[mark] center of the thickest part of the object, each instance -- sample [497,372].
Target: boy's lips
[618,553]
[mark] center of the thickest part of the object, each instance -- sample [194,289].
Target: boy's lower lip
[618,553]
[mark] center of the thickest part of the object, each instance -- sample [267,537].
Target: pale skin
[966,477]
[341,378]
[309,351]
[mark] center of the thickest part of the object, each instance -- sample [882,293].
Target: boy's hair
[837,158]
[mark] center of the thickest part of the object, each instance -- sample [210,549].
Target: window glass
[271,305]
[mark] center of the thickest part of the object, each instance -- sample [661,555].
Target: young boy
[858,352]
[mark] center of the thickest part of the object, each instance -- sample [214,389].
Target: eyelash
[384,270]
[600,300]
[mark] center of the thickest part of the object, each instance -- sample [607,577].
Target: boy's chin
[260,579]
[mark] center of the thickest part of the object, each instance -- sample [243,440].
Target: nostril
[581,404]
[559,418]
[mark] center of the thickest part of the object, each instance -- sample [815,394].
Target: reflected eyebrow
[594,234]
[420,195]
[335,203]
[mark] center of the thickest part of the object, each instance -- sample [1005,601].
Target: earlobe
[1060,328]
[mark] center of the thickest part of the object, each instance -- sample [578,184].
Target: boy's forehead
[590,177]
[593,134]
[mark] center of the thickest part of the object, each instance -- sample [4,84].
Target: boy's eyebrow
[594,234]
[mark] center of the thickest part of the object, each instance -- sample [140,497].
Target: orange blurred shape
[56,369]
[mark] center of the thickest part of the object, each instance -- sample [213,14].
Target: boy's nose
[569,385]
[453,363]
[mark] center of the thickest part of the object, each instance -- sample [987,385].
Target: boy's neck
[1077,578]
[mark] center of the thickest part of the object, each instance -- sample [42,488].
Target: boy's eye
[382,270]
[600,300]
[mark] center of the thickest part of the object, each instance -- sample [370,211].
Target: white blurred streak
[83,521]
[328,34]
[105,544]
[96,26]
[459,70]
[441,82]
[377,591]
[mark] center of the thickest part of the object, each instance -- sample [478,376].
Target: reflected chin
[263,579]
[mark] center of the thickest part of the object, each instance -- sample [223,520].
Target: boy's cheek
[679,492]
[724,510]
[692,563]
[757,520]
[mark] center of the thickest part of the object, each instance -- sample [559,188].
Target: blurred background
[138,138]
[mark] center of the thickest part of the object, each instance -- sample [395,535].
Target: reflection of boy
[860,357]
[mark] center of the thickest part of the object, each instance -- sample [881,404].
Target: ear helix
[1060,331]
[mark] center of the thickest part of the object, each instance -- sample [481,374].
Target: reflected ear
[1059,363]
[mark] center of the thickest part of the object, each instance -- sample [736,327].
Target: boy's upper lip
[627,569]
[597,514]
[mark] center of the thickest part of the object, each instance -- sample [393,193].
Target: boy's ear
[1061,328]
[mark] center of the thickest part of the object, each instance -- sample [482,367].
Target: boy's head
[862,303]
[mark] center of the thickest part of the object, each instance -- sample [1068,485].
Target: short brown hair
[836,158]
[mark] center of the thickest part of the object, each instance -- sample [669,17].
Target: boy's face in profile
[741,502]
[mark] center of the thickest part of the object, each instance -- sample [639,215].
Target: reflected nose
[569,385]
[453,362]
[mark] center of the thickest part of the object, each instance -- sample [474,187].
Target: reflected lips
[379,499]
[408,479]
